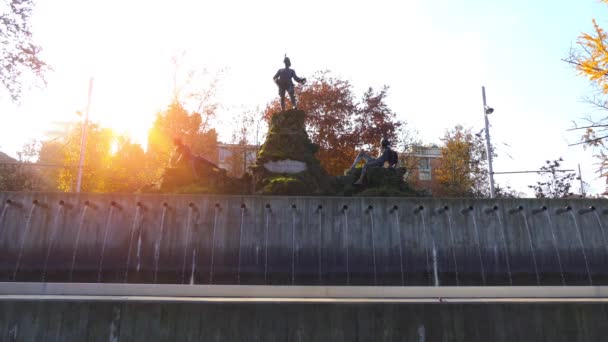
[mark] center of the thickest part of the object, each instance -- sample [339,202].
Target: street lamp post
[83,140]
[487,111]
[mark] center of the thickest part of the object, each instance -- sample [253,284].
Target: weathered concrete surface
[301,240]
[103,321]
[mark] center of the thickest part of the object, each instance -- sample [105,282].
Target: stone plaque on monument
[285,166]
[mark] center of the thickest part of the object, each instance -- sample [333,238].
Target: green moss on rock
[287,140]
[285,185]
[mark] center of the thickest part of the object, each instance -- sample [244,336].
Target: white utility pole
[486,111]
[83,140]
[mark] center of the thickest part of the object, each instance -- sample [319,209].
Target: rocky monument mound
[286,163]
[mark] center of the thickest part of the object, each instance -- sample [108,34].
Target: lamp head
[489,110]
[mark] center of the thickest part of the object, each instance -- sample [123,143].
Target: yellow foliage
[593,62]
[103,171]
[461,169]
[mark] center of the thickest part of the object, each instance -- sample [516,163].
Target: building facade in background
[236,158]
[420,162]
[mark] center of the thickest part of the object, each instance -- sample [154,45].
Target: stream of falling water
[345,219]
[134,227]
[187,239]
[158,242]
[266,226]
[478,243]
[28,223]
[371,221]
[54,230]
[501,228]
[213,245]
[602,231]
[238,269]
[580,240]
[554,241]
[320,248]
[138,251]
[4,209]
[80,225]
[435,267]
[105,241]
[453,247]
[193,266]
[426,245]
[533,253]
[400,247]
[293,246]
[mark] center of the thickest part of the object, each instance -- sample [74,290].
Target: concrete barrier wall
[301,240]
[114,321]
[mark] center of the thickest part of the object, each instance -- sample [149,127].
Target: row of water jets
[189,253]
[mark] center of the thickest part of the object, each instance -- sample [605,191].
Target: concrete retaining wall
[301,240]
[103,321]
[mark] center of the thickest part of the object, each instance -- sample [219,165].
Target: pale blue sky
[435,55]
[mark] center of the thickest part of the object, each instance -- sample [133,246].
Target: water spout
[560,211]
[539,210]
[586,210]
[464,211]
[516,210]
[491,210]
[442,209]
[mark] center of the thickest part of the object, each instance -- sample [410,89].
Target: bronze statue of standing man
[283,79]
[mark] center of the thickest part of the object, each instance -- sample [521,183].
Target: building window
[424,164]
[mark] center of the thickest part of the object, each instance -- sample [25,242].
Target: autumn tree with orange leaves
[340,124]
[590,58]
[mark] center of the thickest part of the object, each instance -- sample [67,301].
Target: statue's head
[385,143]
[287,61]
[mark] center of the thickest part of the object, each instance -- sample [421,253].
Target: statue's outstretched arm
[298,79]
